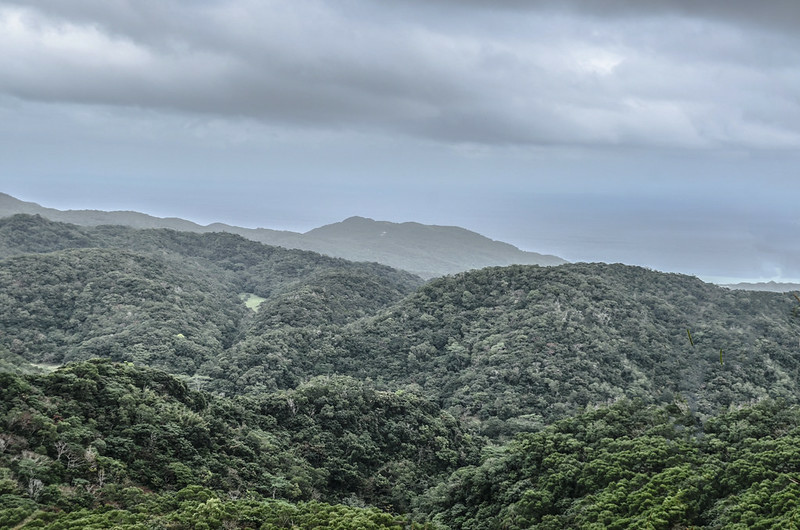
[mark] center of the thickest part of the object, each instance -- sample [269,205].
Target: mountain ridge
[581,395]
[425,250]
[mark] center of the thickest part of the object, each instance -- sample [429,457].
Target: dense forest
[162,379]
[109,444]
[100,425]
[520,346]
[164,298]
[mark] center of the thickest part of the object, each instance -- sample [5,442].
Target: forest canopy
[138,387]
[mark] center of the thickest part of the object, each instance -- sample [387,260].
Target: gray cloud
[537,76]
[779,14]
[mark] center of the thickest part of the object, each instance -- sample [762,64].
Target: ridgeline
[353,394]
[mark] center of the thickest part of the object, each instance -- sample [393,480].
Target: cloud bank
[698,75]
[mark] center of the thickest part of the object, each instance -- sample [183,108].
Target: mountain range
[171,378]
[425,250]
[508,348]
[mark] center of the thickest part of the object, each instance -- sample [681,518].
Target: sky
[661,133]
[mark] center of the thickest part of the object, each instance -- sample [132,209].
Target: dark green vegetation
[422,249]
[114,445]
[633,466]
[170,299]
[99,433]
[515,348]
[80,304]
[507,397]
[15,364]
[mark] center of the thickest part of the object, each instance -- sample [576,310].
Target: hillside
[100,444]
[633,466]
[171,299]
[353,394]
[255,266]
[425,250]
[509,348]
[422,249]
[79,304]
[515,348]
[101,434]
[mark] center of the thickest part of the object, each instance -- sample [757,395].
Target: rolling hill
[509,348]
[515,348]
[160,297]
[357,395]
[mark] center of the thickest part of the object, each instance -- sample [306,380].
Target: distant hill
[635,398]
[425,250]
[774,287]
[509,348]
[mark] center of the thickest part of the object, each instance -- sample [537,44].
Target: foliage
[71,437]
[169,299]
[384,447]
[78,304]
[506,349]
[353,395]
[635,466]
[256,268]
[517,347]
[15,364]
[199,508]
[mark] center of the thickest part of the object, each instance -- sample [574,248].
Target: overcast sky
[662,133]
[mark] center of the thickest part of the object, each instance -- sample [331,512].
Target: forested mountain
[259,268]
[354,394]
[425,250]
[86,303]
[172,299]
[516,347]
[510,348]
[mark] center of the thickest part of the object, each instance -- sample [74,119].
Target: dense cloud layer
[592,73]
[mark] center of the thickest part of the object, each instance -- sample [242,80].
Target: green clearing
[47,367]
[251,300]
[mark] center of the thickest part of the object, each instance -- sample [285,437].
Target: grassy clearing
[47,367]
[251,300]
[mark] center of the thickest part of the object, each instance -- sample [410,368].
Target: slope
[78,304]
[426,250]
[517,347]
[634,466]
[100,433]
[172,303]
